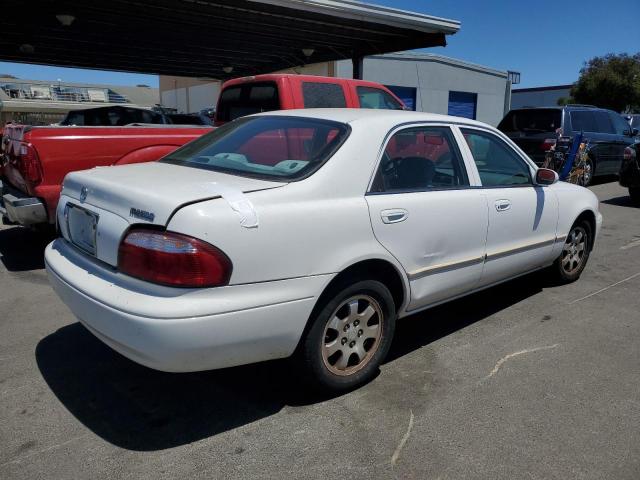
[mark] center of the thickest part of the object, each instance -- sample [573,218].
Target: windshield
[535,120]
[265,147]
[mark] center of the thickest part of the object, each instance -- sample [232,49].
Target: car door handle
[394,215]
[503,205]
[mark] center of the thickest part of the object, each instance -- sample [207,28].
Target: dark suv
[535,130]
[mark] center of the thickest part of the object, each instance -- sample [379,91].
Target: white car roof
[351,115]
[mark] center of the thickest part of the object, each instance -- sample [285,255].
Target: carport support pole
[358,66]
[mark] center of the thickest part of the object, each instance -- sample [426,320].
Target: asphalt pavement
[525,380]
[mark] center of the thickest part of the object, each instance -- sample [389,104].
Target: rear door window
[418,159]
[603,122]
[323,95]
[240,100]
[619,124]
[371,97]
[583,121]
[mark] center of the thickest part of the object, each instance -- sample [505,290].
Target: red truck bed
[35,160]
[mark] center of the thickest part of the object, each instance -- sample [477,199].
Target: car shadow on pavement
[425,327]
[624,201]
[22,249]
[140,409]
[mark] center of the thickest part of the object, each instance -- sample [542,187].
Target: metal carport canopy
[199,38]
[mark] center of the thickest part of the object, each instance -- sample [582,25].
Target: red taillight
[547,144]
[29,164]
[172,259]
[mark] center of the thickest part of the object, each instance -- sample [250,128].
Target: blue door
[463,104]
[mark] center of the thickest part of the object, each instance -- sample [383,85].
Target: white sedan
[306,234]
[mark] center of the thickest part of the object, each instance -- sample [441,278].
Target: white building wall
[203,96]
[434,77]
[175,99]
[322,69]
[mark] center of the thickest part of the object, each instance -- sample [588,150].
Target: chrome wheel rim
[352,335]
[574,250]
[586,175]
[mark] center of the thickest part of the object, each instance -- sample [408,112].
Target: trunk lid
[151,192]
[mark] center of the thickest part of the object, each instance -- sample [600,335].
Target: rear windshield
[264,147]
[240,100]
[533,121]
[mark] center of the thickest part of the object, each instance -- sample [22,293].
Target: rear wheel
[634,193]
[349,337]
[575,253]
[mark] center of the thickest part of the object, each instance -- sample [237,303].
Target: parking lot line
[605,288]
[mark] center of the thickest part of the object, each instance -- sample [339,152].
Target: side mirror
[545,176]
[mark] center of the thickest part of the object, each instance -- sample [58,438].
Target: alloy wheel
[574,250]
[352,335]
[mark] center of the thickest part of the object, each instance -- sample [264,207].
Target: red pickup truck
[263,93]
[35,160]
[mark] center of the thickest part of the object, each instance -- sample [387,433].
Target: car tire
[575,252]
[634,193]
[349,336]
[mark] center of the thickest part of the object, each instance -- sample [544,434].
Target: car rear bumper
[19,208]
[220,327]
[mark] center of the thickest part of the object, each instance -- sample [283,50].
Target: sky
[546,41]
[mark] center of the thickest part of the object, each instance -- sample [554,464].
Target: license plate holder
[82,227]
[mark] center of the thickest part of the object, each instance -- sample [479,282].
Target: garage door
[463,104]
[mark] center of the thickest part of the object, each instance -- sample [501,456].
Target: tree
[612,82]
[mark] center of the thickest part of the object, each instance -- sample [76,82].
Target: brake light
[548,144]
[172,259]
[29,164]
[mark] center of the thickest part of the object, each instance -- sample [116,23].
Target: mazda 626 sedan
[306,234]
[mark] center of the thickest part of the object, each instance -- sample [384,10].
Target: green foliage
[562,101]
[612,82]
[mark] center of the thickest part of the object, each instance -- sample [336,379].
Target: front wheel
[349,337]
[575,253]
